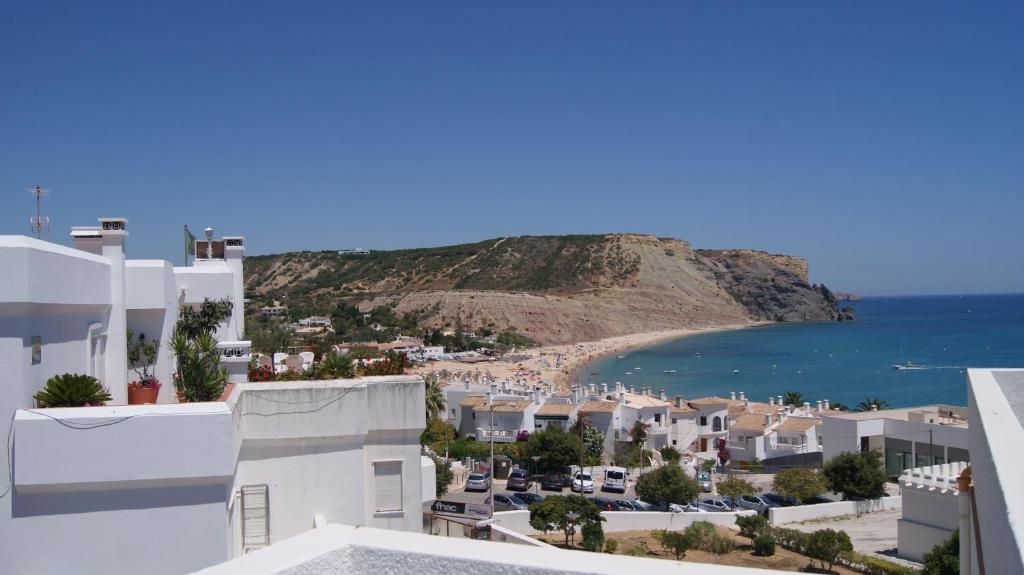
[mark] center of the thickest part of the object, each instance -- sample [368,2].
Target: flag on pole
[190,245]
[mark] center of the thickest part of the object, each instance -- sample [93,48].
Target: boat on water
[629,373]
[735,371]
[670,371]
[621,357]
[908,365]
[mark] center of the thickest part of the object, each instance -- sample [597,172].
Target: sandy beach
[557,364]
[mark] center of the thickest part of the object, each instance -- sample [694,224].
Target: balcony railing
[500,435]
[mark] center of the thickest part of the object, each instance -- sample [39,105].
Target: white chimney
[743,396]
[679,401]
[807,407]
[622,397]
[112,235]
[732,395]
[466,383]
[604,389]
[488,399]
[662,395]
[824,403]
[768,419]
[819,406]
[771,401]
[780,399]
[494,389]
[874,407]
[234,250]
[593,388]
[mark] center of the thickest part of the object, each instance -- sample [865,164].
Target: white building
[502,417]
[171,488]
[907,437]
[991,510]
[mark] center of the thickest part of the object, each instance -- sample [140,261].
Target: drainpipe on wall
[963,484]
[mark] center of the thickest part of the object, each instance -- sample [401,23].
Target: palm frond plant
[870,402]
[334,366]
[793,398]
[434,396]
[72,390]
[199,375]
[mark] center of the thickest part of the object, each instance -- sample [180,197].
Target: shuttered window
[387,481]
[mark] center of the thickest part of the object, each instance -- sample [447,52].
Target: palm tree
[870,402]
[434,396]
[839,406]
[794,398]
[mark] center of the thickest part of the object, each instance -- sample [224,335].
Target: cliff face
[553,288]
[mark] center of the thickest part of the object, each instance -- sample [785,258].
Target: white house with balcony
[712,421]
[501,418]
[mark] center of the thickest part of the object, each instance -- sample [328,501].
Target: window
[657,418]
[716,424]
[674,420]
[703,420]
[674,442]
[387,486]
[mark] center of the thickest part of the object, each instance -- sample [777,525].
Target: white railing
[942,477]
[500,435]
[235,350]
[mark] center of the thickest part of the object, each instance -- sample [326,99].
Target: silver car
[478,481]
[715,505]
[506,502]
[755,503]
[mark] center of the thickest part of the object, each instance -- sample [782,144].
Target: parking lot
[479,497]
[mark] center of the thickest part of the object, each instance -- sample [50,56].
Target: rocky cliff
[553,288]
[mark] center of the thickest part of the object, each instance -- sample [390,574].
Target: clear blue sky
[881,140]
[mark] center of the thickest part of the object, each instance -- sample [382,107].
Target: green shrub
[764,545]
[790,538]
[675,542]
[593,536]
[637,551]
[702,534]
[72,390]
[752,526]
[610,545]
[944,558]
[871,565]
[829,547]
[721,545]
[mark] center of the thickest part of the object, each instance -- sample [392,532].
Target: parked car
[755,503]
[715,505]
[506,502]
[627,505]
[519,480]
[568,474]
[478,481]
[683,508]
[815,500]
[553,481]
[644,506]
[605,504]
[704,480]
[614,479]
[529,498]
[583,483]
[779,499]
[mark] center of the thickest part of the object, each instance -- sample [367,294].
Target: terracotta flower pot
[142,395]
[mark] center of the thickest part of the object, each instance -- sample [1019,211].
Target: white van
[614,479]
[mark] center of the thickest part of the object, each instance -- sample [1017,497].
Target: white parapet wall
[930,504]
[799,513]
[340,549]
[627,520]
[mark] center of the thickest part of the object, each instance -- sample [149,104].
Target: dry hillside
[553,288]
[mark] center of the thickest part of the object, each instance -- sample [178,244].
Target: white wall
[929,517]
[799,513]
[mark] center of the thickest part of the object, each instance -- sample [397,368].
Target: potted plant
[141,356]
[72,390]
[199,377]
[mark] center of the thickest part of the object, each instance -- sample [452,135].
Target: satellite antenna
[39,223]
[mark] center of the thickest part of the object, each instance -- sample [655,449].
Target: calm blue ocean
[847,362]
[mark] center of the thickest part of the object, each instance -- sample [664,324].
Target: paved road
[871,533]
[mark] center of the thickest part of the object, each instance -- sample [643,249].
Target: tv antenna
[39,223]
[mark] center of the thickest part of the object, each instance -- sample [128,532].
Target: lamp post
[572,516]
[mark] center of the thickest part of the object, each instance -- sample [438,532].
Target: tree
[675,542]
[638,433]
[563,513]
[670,455]
[944,558]
[839,406]
[593,443]
[667,484]
[828,546]
[799,483]
[268,336]
[867,404]
[856,475]
[794,398]
[194,322]
[443,475]
[555,448]
[433,396]
[734,487]
[334,366]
